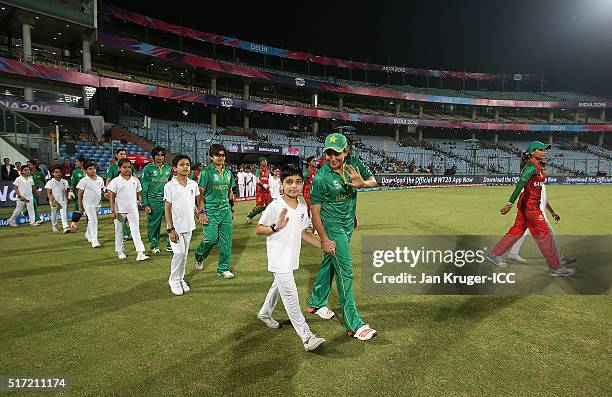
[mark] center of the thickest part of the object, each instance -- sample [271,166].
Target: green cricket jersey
[77,175]
[38,177]
[153,180]
[338,201]
[216,185]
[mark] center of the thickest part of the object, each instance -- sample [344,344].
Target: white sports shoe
[67,230]
[517,257]
[313,343]
[176,289]
[364,332]
[95,244]
[185,286]
[199,265]
[269,321]
[227,274]
[34,224]
[121,255]
[12,223]
[323,312]
[141,257]
[54,228]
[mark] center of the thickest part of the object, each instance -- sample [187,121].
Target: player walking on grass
[90,193]
[333,205]
[216,183]
[111,173]
[263,196]
[180,207]
[57,192]
[24,189]
[514,253]
[529,215]
[38,178]
[154,177]
[284,222]
[77,174]
[124,198]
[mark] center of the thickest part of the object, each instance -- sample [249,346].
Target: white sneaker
[95,244]
[249,220]
[176,289]
[38,223]
[34,224]
[12,223]
[185,286]
[199,265]
[121,255]
[67,230]
[313,343]
[269,321]
[517,257]
[54,228]
[364,332]
[141,257]
[226,274]
[323,312]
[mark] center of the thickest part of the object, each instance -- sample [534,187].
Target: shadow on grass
[59,316]
[69,267]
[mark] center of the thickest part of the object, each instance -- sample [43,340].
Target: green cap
[336,142]
[537,145]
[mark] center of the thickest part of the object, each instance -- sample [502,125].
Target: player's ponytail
[525,156]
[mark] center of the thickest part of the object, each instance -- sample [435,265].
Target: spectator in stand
[67,169]
[9,173]
[412,167]
[54,164]
[430,168]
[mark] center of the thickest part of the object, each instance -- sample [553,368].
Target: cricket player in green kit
[39,182]
[112,172]
[333,200]
[153,179]
[216,185]
[77,174]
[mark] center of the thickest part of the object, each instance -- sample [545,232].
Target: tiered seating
[102,154]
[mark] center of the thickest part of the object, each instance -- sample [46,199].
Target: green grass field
[113,327]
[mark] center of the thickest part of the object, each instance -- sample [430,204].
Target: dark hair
[525,156]
[216,148]
[6,158]
[180,157]
[23,167]
[290,170]
[123,161]
[89,163]
[81,159]
[158,149]
[119,150]
[56,168]
[309,159]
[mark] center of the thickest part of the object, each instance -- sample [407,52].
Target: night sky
[569,38]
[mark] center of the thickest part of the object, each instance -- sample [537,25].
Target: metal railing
[31,139]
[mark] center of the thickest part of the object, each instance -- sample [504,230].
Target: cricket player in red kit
[309,174]
[263,197]
[529,215]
